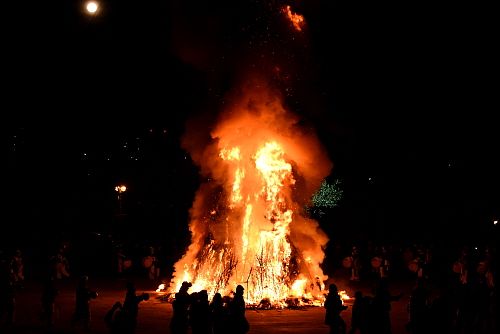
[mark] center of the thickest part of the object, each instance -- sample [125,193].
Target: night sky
[401,94]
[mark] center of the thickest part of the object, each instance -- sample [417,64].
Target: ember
[248,221]
[297,20]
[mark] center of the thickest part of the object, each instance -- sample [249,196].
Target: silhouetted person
[16,264]
[219,315]
[466,308]
[60,265]
[381,307]
[355,264]
[200,318]
[179,321]
[238,323]
[122,323]
[489,268]
[360,313]
[418,309]
[463,263]
[48,302]
[123,262]
[386,262]
[442,311]
[131,303]
[82,309]
[151,263]
[7,300]
[333,305]
[483,303]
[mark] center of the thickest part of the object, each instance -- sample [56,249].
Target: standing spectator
[17,267]
[376,261]
[360,313]
[60,265]
[419,265]
[386,262]
[123,263]
[7,300]
[418,309]
[334,306]
[482,305]
[355,264]
[151,263]
[48,302]
[219,315]
[442,312]
[200,318]
[489,268]
[466,308]
[179,322]
[462,266]
[381,306]
[131,304]
[82,309]
[238,323]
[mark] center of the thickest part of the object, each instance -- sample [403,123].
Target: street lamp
[121,189]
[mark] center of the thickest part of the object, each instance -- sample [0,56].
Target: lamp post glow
[92,7]
[121,189]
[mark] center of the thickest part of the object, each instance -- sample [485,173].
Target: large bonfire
[248,222]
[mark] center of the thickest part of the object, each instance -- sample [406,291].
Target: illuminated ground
[154,316]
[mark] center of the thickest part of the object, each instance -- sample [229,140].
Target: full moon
[92,7]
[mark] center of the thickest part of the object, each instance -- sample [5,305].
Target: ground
[154,316]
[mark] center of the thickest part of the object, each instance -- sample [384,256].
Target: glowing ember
[248,224]
[161,287]
[297,20]
[343,295]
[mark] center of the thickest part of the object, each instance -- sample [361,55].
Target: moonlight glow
[92,7]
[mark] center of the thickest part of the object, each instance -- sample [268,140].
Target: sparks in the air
[297,20]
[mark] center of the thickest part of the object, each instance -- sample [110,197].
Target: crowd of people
[465,300]
[417,261]
[369,314]
[221,316]
[465,308]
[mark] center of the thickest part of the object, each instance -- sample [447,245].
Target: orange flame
[343,295]
[247,223]
[297,20]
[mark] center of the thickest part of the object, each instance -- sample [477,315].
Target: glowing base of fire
[305,300]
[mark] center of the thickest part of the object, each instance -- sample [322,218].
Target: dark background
[401,95]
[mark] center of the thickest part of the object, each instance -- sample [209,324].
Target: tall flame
[247,221]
